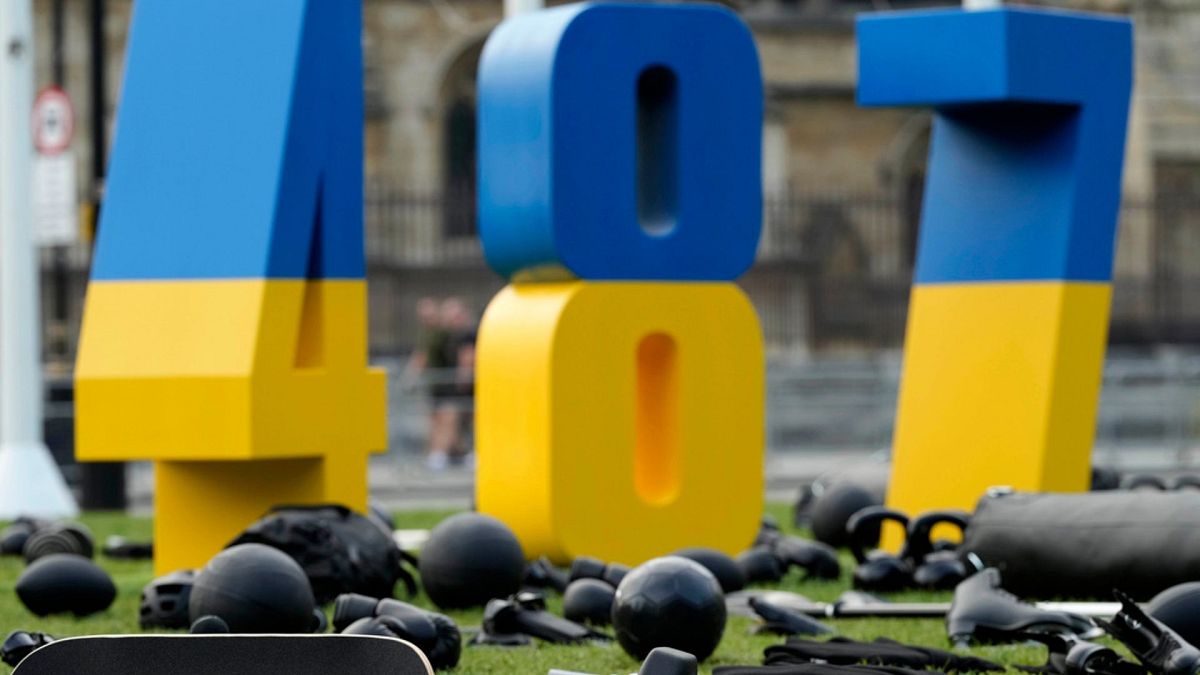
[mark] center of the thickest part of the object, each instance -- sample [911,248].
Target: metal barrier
[1150,402]
[833,270]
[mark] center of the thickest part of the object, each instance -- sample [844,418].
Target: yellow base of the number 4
[621,420]
[246,393]
[200,506]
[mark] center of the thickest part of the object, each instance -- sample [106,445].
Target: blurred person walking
[448,359]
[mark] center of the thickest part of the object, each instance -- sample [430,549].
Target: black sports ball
[254,588]
[1179,608]
[588,601]
[832,510]
[209,625]
[65,583]
[724,568]
[669,602]
[469,559]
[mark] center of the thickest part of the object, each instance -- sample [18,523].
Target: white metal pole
[982,4]
[514,7]
[30,482]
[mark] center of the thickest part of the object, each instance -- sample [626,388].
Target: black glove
[525,613]
[434,634]
[19,644]
[1068,655]
[819,561]
[881,652]
[1159,648]
[782,621]
[818,669]
[542,573]
[770,562]
[660,661]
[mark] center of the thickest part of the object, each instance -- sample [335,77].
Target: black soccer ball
[63,583]
[669,602]
[724,568]
[1179,608]
[832,510]
[588,601]
[469,559]
[254,588]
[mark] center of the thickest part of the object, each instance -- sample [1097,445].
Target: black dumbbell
[877,570]
[936,569]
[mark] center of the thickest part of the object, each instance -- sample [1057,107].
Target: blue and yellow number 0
[620,375]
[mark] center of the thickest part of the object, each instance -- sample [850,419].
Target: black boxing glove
[584,567]
[819,561]
[434,634]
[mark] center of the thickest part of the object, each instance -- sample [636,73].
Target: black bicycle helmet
[72,538]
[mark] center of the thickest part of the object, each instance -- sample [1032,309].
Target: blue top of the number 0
[621,141]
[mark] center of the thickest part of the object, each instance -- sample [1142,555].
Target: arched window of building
[458,181]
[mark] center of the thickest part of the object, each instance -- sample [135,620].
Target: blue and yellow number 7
[1009,312]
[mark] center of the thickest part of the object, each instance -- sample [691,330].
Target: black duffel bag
[341,551]
[1050,545]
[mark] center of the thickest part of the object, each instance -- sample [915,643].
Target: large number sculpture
[620,380]
[224,334]
[1009,308]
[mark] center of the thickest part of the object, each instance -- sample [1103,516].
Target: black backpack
[340,551]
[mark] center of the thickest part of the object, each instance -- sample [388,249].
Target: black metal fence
[833,269]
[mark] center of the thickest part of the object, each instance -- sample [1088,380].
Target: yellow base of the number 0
[621,420]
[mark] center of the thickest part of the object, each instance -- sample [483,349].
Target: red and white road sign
[53,121]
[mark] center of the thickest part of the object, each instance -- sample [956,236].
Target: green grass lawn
[738,646]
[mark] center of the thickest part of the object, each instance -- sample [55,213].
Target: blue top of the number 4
[238,151]
[1024,175]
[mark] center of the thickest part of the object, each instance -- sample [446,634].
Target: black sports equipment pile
[672,611]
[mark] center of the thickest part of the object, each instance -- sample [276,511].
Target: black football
[63,583]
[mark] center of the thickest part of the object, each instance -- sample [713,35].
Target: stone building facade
[842,183]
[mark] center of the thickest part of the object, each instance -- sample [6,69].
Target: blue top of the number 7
[1024,177]
[238,150]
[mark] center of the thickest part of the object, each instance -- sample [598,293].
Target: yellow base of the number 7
[1000,388]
